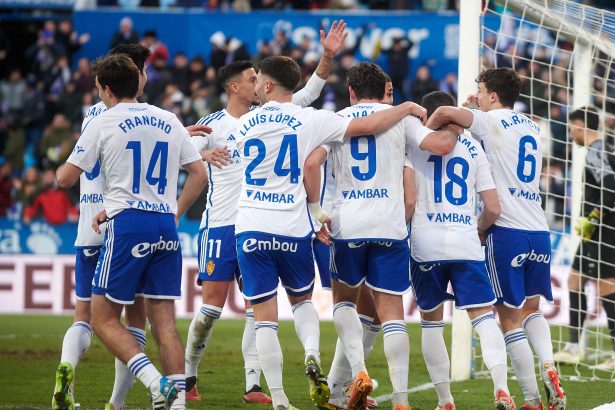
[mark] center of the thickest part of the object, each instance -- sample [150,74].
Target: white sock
[370,332]
[199,335]
[397,352]
[124,379]
[76,342]
[350,332]
[250,355]
[145,371]
[307,327]
[437,360]
[180,382]
[522,360]
[270,357]
[340,372]
[493,348]
[539,334]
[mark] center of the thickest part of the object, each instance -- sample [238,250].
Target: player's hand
[454,128]
[98,220]
[217,157]
[586,226]
[483,237]
[417,111]
[334,40]
[471,102]
[324,233]
[198,130]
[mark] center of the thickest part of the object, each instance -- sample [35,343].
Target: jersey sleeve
[189,152]
[484,179]
[310,92]
[331,127]
[201,143]
[87,150]
[482,124]
[414,131]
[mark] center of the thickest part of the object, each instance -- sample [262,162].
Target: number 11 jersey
[513,147]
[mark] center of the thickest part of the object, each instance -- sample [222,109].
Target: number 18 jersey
[444,221]
[513,147]
[141,148]
[368,202]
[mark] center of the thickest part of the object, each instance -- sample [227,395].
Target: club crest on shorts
[210,267]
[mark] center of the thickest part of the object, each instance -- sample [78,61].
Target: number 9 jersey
[141,148]
[369,195]
[513,147]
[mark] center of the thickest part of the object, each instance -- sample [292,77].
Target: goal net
[564,53]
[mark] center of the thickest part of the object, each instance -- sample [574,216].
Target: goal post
[564,53]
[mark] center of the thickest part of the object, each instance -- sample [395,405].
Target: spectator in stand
[181,72]
[53,202]
[156,47]
[236,51]
[158,77]
[6,187]
[198,70]
[43,54]
[264,51]
[217,57]
[281,44]
[399,65]
[57,142]
[59,76]
[13,152]
[12,94]
[449,84]
[423,84]
[69,103]
[125,35]
[83,78]
[26,189]
[34,113]
[68,39]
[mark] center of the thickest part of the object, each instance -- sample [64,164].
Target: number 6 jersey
[141,148]
[513,148]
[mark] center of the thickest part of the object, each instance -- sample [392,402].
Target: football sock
[124,379]
[522,360]
[199,335]
[270,356]
[397,352]
[539,334]
[144,370]
[340,372]
[76,342]
[307,327]
[436,359]
[250,355]
[493,349]
[350,333]
[180,382]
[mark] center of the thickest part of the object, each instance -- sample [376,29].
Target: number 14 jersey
[513,147]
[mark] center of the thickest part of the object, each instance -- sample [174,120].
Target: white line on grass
[606,406]
[421,387]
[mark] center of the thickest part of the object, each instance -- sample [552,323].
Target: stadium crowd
[41,109]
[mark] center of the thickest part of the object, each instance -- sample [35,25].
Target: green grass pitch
[30,351]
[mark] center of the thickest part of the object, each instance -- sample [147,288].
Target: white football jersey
[444,222]
[141,148]
[327,183]
[513,147]
[225,182]
[368,202]
[91,187]
[273,141]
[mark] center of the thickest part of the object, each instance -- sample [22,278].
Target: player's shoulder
[93,112]
[213,117]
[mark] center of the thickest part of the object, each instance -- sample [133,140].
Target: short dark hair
[226,73]
[282,69]
[436,99]
[589,116]
[119,73]
[136,52]
[387,78]
[505,82]
[367,80]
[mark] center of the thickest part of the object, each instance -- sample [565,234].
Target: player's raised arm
[445,115]
[383,120]
[332,43]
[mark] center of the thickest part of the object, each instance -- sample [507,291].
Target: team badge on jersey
[210,267]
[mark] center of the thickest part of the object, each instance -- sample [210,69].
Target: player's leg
[429,284]
[606,291]
[254,392]
[124,379]
[389,277]
[79,336]
[296,270]
[366,308]
[260,282]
